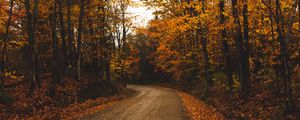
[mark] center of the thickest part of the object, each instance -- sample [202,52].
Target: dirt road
[150,103]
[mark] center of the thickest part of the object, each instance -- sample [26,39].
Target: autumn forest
[193,60]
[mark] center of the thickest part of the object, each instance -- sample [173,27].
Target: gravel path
[150,103]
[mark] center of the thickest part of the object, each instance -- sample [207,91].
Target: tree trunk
[205,52]
[79,39]
[284,56]
[245,83]
[124,44]
[2,69]
[55,67]
[105,62]
[31,38]
[273,39]
[238,41]
[70,33]
[63,38]
[226,48]
[108,69]
[37,62]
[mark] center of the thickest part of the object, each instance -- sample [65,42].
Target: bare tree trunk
[55,67]
[107,54]
[4,57]
[79,39]
[287,37]
[37,60]
[239,41]
[124,43]
[100,63]
[63,38]
[31,38]
[108,68]
[273,39]
[245,83]
[70,33]
[226,48]
[284,56]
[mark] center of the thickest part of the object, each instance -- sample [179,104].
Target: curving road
[150,103]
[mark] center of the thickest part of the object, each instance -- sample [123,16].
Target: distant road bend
[151,103]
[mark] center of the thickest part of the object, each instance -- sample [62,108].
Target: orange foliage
[198,110]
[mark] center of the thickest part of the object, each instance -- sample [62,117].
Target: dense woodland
[240,56]
[58,52]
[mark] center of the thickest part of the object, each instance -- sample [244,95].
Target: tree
[122,5]
[243,52]
[31,20]
[80,27]
[4,46]
[286,74]
[70,32]
[245,82]
[63,37]
[226,51]
[55,64]
[204,49]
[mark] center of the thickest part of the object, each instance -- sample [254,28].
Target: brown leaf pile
[39,106]
[76,110]
[198,110]
[261,104]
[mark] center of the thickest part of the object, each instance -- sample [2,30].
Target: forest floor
[67,103]
[261,104]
